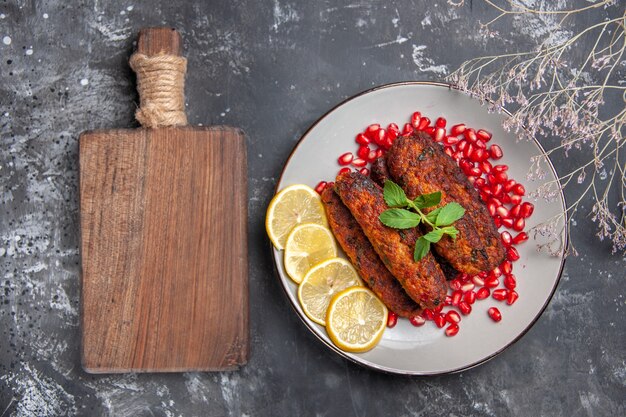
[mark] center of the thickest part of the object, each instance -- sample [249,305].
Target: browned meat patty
[420,166]
[423,281]
[362,255]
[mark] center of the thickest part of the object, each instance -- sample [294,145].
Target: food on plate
[321,283]
[356,319]
[293,205]
[307,245]
[423,281]
[379,173]
[362,255]
[420,166]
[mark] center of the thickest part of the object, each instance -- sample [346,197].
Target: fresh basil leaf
[450,231]
[394,195]
[399,218]
[449,213]
[427,200]
[432,216]
[422,247]
[434,236]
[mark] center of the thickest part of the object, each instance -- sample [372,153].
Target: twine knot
[161,86]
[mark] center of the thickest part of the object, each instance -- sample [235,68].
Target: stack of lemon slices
[330,290]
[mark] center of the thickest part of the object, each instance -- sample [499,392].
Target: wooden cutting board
[163,214]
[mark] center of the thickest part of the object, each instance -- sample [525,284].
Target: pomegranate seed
[500,294]
[482,293]
[485,167]
[455,284]
[508,186]
[527,209]
[495,201]
[519,190]
[506,238]
[371,131]
[452,330]
[470,134]
[519,225]
[497,190]
[501,168]
[415,119]
[392,319]
[424,122]
[380,136]
[481,145]
[495,272]
[439,320]
[392,134]
[470,297]
[510,282]
[495,152]
[447,301]
[516,199]
[498,222]
[428,314]
[392,127]
[346,158]
[471,179]
[441,122]
[507,222]
[480,182]
[520,238]
[502,211]
[438,309]
[456,297]
[320,187]
[379,153]
[506,267]
[492,282]
[501,177]
[467,287]
[495,314]
[515,210]
[407,129]
[462,145]
[465,308]
[463,277]
[491,178]
[506,199]
[363,152]
[512,254]
[361,139]
[492,209]
[364,171]
[448,151]
[453,317]
[344,170]
[468,150]
[358,162]
[417,321]
[475,171]
[450,140]
[478,155]
[483,135]
[429,130]
[512,298]
[457,129]
[478,281]
[372,156]
[440,132]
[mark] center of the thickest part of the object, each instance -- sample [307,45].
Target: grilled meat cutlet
[423,281]
[362,255]
[419,166]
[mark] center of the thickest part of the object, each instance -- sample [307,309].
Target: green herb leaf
[449,213]
[422,247]
[399,218]
[432,216]
[427,200]
[434,235]
[451,231]
[394,195]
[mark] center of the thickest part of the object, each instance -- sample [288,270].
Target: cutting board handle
[160,69]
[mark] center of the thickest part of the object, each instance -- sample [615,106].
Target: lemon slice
[293,205]
[322,282]
[356,319]
[307,245]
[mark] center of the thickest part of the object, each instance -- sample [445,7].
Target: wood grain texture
[164,249]
[159,40]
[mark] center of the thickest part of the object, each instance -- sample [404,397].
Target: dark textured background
[272,68]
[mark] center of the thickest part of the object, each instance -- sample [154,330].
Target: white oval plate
[426,350]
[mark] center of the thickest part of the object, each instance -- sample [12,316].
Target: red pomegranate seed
[455,284]
[457,129]
[519,190]
[527,209]
[519,225]
[495,273]
[469,286]
[450,140]
[507,222]
[478,281]
[380,136]
[512,298]
[495,152]
[499,294]
[480,182]
[506,267]
[469,297]
[482,293]
[379,153]
[478,155]
[485,167]
[498,222]
[448,151]
[364,171]
[462,145]
[470,134]
[471,179]
[516,199]
[372,156]
[495,314]
[371,130]
[392,319]
[438,309]
[468,150]
[495,201]
[515,210]
[506,199]
[440,132]
[415,119]
[361,139]
[417,321]
[392,127]
[363,152]
[452,330]
[407,129]
[502,211]
[483,135]
[512,254]
[456,297]
[440,122]
[453,317]
[492,282]
[508,186]
[346,158]
[510,282]
[506,238]
[492,208]
[475,171]
[392,134]
[497,190]
[428,314]
[430,130]
[358,162]
[491,178]
[447,301]
[481,145]
[501,168]
[320,187]
[424,122]
[439,320]
[465,308]
[344,170]
[520,238]
[501,177]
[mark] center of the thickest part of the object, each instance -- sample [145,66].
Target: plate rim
[394,371]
